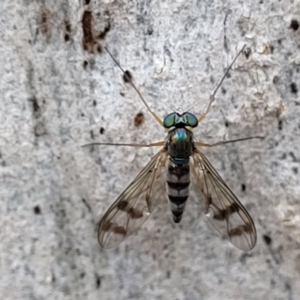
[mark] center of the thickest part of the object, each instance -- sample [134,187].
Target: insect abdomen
[178,181]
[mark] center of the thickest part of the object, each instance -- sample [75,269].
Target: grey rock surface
[60,90]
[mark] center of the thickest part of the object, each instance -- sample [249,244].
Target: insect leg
[156,144]
[199,144]
[128,78]
[212,97]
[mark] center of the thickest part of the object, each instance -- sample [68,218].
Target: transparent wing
[220,205]
[134,205]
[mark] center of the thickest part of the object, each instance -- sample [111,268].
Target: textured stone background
[56,96]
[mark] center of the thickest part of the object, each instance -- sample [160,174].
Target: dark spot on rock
[294,158]
[85,64]
[295,170]
[86,204]
[40,129]
[87,2]
[44,24]
[37,210]
[68,26]
[247,52]
[140,19]
[88,40]
[276,79]
[294,25]
[243,186]
[68,30]
[101,130]
[294,88]
[280,125]
[92,134]
[244,257]
[35,104]
[104,32]
[150,31]
[267,239]
[283,156]
[98,281]
[139,119]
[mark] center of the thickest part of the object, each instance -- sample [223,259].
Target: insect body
[179,156]
[180,146]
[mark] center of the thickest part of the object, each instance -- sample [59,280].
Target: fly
[179,157]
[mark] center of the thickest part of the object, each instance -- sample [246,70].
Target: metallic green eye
[177,120]
[169,120]
[191,120]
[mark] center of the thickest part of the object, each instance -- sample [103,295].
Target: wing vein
[222,208]
[135,204]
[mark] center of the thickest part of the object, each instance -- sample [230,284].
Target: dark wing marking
[221,206]
[134,205]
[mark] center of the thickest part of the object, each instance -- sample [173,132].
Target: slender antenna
[212,97]
[156,144]
[132,84]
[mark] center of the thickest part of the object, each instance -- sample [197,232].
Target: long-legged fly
[180,160]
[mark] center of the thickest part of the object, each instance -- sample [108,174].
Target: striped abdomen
[178,180]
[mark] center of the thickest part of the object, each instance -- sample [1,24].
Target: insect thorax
[180,144]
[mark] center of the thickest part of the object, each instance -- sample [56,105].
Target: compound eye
[192,121]
[169,120]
